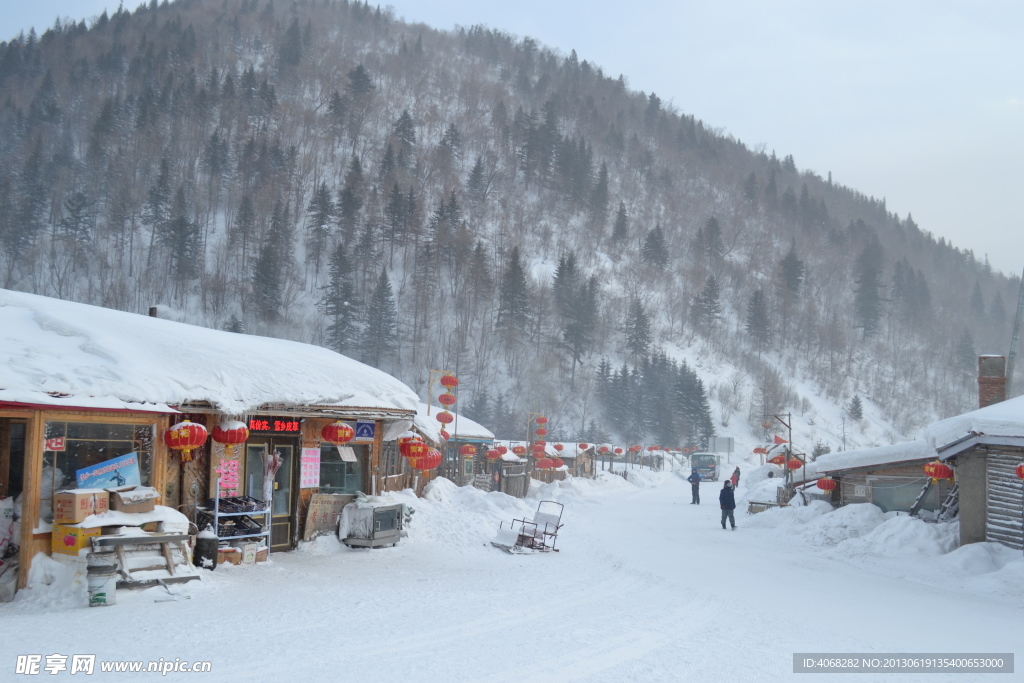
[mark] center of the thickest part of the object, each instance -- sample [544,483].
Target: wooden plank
[165,548]
[110,541]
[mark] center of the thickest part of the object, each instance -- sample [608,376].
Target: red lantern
[444,417]
[337,433]
[778,460]
[540,431]
[502,450]
[603,449]
[230,433]
[584,446]
[1020,471]
[449,381]
[557,462]
[519,450]
[493,454]
[559,447]
[541,420]
[652,448]
[431,460]
[447,400]
[618,451]
[938,470]
[794,463]
[445,435]
[413,448]
[538,447]
[185,436]
[827,484]
[544,464]
[468,451]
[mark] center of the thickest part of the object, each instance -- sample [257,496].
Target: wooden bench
[160,544]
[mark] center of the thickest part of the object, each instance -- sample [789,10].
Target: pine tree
[758,325]
[290,53]
[793,271]
[977,302]
[599,200]
[268,270]
[243,230]
[350,199]
[405,133]
[620,227]
[856,408]
[479,408]
[638,331]
[707,310]
[966,356]
[654,251]
[340,305]
[513,297]
[867,300]
[476,184]
[380,336]
[321,213]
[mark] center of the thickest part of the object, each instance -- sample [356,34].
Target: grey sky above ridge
[920,102]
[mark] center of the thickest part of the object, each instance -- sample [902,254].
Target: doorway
[12,457]
[283,493]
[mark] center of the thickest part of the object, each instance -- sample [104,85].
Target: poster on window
[227,472]
[120,471]
[309,475]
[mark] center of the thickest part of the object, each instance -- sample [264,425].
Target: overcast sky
[919,101]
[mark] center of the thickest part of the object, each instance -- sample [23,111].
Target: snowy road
[646,588]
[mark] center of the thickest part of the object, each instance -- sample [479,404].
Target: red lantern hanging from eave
[544,464]
[652,448]
[1020,471]
[444,417]
[449,381]
[559,447]
[603,450]
[337,433]
[794,463]
[492,454]
[618,451]
[230,433]
[519,450]
[468,450]
[557,462]
[826,484]
[412,449]
[540,431]
[584,446]
[538,447]
[447,400]
[186,436]
[445,435]
[502,450]
[778,460]
[541,420]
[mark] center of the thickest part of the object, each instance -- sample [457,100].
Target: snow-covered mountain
[475,202]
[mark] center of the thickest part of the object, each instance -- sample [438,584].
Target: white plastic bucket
[102,587]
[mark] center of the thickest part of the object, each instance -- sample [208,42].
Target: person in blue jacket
[727,498]
[694,480]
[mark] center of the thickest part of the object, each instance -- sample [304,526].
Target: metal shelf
[217,514]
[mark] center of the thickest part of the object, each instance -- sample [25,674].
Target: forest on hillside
[472,201]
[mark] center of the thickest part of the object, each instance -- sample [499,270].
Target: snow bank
[1000,419]
[867,457]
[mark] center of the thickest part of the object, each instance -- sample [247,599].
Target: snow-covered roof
[870,457]
[1000,419]
[462,428]
[98,357]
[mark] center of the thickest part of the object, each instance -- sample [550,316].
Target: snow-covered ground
[646,587]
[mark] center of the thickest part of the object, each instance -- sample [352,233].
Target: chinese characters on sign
[309,477]
[227,470]
[276,425]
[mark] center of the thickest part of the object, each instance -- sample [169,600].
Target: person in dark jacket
[694,480]
[727,499]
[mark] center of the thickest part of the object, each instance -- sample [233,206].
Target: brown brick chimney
[991,380]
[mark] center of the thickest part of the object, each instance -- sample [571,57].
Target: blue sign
[121,471]
[365,431]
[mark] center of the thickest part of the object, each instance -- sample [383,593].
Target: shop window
[338,475]
[72,446]
[899,493]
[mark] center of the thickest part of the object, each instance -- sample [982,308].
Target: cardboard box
[71,507]
[133,498]
[68,539]
[229,556]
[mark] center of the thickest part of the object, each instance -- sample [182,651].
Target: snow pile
[105,358]
[55,584]
[867,457]
[1000,419]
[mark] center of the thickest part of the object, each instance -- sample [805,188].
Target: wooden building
[81,384]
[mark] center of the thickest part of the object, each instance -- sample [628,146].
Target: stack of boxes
[70,509]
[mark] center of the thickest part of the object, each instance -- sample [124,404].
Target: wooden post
[375,453]
[32,487]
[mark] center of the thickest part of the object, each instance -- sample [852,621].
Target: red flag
[779,439]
